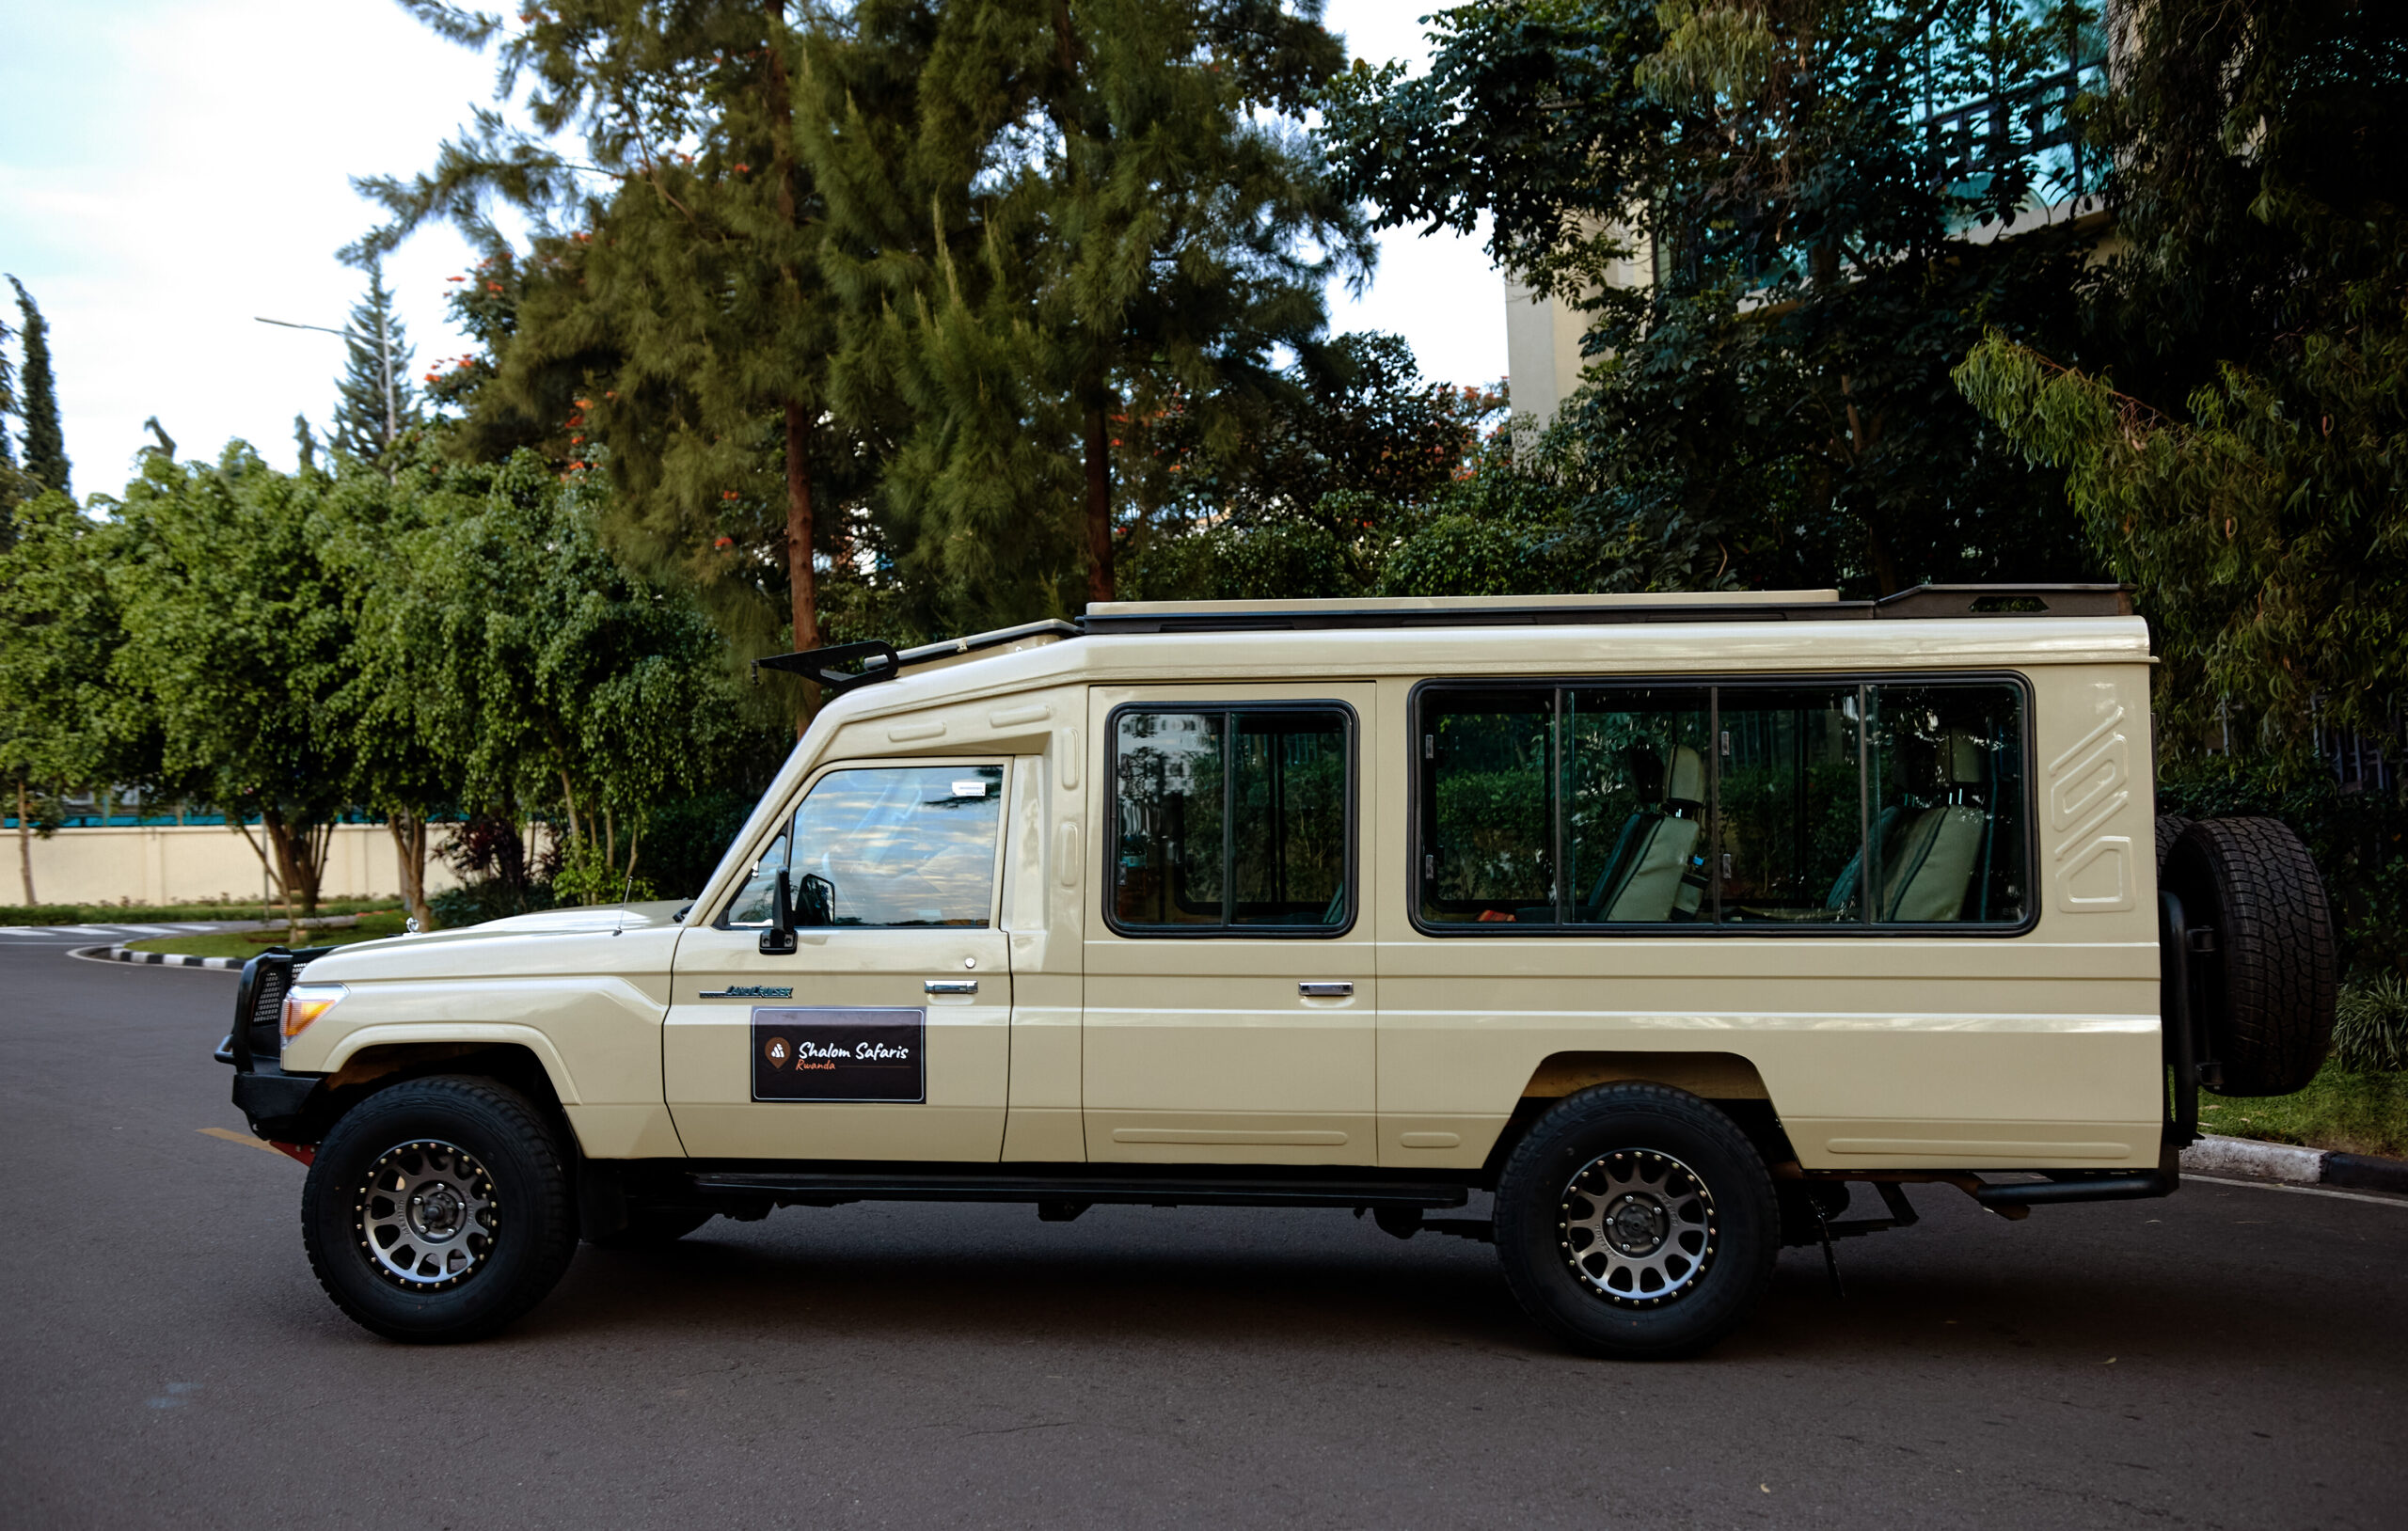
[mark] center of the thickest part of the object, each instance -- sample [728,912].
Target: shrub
[2371,1028]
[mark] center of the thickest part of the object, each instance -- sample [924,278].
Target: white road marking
[2301,1190]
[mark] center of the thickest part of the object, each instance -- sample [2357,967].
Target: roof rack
[1923,602]
[845,666]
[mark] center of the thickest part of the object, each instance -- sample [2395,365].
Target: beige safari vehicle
[1658,924]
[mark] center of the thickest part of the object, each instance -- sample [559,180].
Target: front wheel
[1637,1221]
[439,1210]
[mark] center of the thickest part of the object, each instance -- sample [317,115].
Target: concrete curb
[2251,1159]
[153,959]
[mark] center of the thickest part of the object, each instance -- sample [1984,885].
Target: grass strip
[2342,1110]
[250,943]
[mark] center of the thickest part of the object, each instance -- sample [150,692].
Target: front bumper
[281,1107]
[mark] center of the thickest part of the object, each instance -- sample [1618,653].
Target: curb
[2281,1162]
[153,959]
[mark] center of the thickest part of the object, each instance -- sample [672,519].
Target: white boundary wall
[169,864]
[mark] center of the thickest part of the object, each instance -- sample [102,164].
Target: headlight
[306,1002]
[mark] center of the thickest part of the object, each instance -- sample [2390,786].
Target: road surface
[2235,1356]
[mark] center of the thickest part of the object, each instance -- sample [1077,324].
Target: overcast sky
[169,169]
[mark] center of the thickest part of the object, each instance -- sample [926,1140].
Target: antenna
[625,893]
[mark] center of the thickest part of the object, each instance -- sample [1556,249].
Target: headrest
[1646,772]
[1686,780]
[1960,759]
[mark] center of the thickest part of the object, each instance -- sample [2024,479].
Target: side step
[835,1188]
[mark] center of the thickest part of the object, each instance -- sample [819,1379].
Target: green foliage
[1766,405]
[544,670]
[2245,464]
[45,444]
[2371,1025]
[236,639]
[2359,840]
[2342,1109]
[57,711]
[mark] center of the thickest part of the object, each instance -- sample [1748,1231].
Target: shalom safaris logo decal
[833,1054]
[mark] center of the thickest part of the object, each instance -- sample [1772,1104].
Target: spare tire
[2170,829]
[2264,992]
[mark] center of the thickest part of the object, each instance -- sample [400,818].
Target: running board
[2102,1187]
[835,1190]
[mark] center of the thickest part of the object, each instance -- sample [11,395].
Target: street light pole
[385,365]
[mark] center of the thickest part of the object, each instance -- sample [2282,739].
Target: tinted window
[1773,806]
[1792,806]
[1227,818]
[897,845]
[1948,803]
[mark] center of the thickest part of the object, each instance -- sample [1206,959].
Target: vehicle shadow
[2041,1296]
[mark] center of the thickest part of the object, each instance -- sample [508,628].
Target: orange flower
[724,542]
[743,169]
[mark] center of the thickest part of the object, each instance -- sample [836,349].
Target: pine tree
[374,401]
[45,443]
[683,328]
[1149,239]
[13,484]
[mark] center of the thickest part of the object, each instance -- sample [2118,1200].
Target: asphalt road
[2232,1357]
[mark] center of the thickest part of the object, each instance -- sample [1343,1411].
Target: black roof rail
[845,666]
[1923,602]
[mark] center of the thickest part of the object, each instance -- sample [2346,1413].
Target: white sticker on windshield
[970,789]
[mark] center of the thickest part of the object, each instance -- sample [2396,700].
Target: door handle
[1326,991]
[951,986]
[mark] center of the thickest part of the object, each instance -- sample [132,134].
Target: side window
[897,846]
[1761,804]
[1946,787]
[752,905]
[1230,818]
[1792,818]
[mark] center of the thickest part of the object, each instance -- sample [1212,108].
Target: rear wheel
[1637,1221]
[2267,990]
[438,1210]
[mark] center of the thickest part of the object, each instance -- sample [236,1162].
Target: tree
[546,672]
[45,443]
[1160,225]
[400,766]
[671,309]
[2245,460]
[374,401]
[236,641]
[1772,393]
[60,723]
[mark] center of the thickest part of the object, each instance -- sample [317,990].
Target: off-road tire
[514,1145]
[1535,1198]
[649,1228]
[2170,829]
[2266,994]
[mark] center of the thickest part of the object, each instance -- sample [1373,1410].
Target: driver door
[885,1034]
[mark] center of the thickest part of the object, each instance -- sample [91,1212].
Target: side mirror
[778,940]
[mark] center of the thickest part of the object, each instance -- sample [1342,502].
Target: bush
[2359,840]
[2371,1028]
[488,898]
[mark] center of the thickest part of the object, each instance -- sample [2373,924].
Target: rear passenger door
[1230,993]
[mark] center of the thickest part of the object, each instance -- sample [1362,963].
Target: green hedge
[118,914]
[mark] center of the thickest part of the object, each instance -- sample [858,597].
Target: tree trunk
[806,602]
[278,836]
[568,797]
[25,843]
[799,418]
[409,831]
[1100,582]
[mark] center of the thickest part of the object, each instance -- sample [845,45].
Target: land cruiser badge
[832,1054]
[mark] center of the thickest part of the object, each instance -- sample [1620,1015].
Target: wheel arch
[368,1067]
[1729,1080]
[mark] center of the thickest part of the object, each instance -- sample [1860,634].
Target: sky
[172,170]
